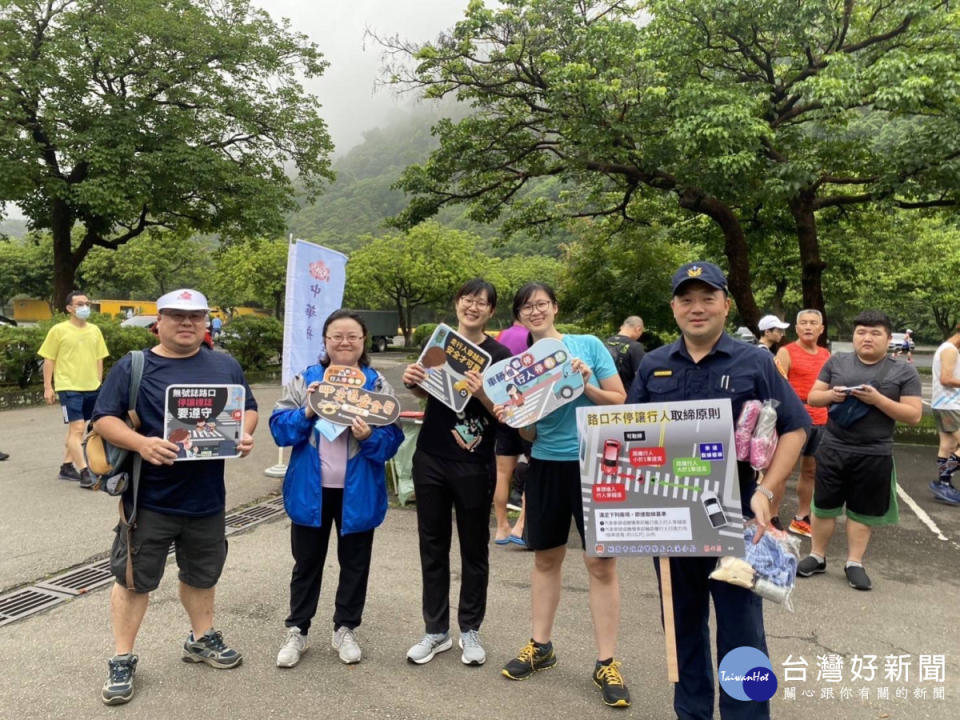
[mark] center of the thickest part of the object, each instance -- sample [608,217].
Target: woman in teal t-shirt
[553,496]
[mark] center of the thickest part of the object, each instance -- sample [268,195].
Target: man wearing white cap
[771,331]
[181,503]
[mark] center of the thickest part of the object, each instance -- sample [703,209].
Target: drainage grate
[26,602]
[253,515]
[81,580]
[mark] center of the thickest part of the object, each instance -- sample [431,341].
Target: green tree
[252,271]
[25,268]
[422,267]
[124,115]
[733,108]
[148,266]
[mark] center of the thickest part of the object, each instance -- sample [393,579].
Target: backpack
[621,358]
[112,466]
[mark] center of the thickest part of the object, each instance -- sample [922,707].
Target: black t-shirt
[467,436]
[192,488]
[627,355]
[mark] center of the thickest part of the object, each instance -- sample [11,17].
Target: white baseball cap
[769,322]
[182,299]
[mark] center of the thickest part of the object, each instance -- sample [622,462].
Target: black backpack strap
[136,374]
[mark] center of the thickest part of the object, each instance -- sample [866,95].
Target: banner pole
[669,629]
[278,470]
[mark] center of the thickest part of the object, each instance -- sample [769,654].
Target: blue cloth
[769,558]
[740,372]
[365,484]
[193,489]
[557,432]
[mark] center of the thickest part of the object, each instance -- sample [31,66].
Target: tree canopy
[126,115]
[748,112]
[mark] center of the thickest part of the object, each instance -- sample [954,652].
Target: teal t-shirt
[557,432]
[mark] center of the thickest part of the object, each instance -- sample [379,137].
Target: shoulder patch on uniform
[662,373]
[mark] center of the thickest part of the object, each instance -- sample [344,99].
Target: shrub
[19,363]
[423,333]
[254,341]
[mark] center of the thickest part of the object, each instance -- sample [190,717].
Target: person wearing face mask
[73,354]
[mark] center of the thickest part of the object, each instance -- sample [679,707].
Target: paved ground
[54,662]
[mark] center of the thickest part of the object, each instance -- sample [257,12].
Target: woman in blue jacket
[335,476]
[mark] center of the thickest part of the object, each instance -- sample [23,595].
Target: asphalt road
[54,662]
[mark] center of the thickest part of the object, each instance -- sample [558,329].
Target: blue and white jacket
[365,486]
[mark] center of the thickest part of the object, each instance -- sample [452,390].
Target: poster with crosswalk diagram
[447,357]
[660,479]
[534,383]
[205,422]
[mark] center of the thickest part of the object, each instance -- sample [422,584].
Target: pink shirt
[333,460]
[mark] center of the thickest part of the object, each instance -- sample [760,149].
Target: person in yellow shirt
[73,354]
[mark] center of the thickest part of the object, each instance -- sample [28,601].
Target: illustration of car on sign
[713,508]
[611,456]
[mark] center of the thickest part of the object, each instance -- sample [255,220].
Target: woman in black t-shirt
[453,468]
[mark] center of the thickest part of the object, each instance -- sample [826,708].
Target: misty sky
[351,103]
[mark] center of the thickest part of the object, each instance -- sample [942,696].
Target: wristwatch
[766,492]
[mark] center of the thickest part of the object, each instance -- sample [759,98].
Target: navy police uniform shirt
[732,369]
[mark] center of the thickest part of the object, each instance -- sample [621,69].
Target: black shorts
[861,482]
[200,543]
[814,433]
[510,443]
[552,497]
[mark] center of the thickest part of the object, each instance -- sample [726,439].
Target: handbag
[111,465]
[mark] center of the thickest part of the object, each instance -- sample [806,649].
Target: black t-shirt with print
[467,436]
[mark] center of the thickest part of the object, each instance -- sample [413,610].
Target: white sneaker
[294,646]
[473,652]
[345,641]
[430,645]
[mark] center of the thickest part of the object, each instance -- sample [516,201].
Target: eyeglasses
[179,317]
[476,302]
[529,308]
[352,339]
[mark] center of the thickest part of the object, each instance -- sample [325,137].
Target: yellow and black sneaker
[530,659]
[610,681]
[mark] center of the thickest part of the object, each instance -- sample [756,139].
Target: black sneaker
[529,660]
[857,577]
[210,649]
[775,521]
[811,566]
[610,681]
[118,688]
[87,480]
[68,472]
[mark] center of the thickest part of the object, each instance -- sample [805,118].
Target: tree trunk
[735,248]
[61,226]
[812,266]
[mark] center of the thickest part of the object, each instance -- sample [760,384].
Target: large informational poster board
[205,422]
[534,383]
[447,357]
[660,479]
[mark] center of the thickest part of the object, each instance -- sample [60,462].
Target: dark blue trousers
[739,614]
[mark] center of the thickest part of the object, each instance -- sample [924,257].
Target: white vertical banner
[315,281]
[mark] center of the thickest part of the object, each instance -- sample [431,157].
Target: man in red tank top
[801,361]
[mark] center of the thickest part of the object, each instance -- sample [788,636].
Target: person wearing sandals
[553,496]
[336,476]
[453,469]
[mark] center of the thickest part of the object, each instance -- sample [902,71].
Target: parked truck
[381,327]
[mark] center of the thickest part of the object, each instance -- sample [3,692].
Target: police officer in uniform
[706,363]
